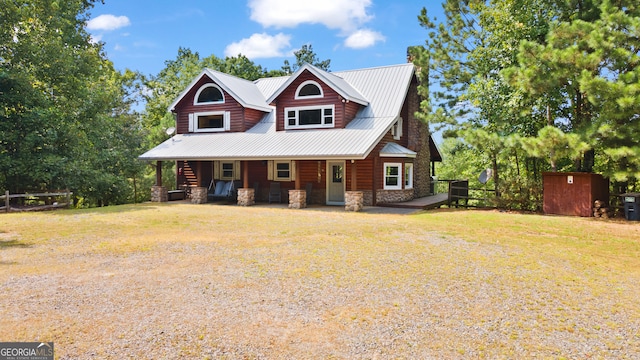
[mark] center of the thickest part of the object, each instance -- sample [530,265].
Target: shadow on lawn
[4,244]
[112,209]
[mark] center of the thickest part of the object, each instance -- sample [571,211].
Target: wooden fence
[34,202]
[460,194]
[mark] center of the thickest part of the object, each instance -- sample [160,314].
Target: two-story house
[330,134]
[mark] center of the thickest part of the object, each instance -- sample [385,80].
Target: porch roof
[263,142]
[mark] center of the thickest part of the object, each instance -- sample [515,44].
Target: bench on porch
[223,190]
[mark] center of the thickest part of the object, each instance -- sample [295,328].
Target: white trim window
[309,117]
[396,129]
[408,176]
[208,94]
[392,176]
[211,121]
[309,90]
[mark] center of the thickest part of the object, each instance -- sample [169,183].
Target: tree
[591,65]
[510,70]
[305,55]
[63,106]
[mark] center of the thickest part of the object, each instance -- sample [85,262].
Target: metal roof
[244,91]
[384,87]
[395,150]
[333,80]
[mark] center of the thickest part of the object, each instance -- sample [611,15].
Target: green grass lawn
[209,281]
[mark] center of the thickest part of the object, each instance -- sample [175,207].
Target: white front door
[335,183]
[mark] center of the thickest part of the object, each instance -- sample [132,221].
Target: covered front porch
[293,182]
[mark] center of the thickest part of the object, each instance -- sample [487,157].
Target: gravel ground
[331,294]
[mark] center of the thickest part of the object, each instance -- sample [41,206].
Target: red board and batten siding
[344,112]
[573,193]
[241,118]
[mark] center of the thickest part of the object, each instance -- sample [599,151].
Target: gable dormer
[312,98]
[217,102]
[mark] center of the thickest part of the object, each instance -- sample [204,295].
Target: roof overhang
[339,85]
[218,79]
[397,151]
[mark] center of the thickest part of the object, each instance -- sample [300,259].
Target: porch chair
[274,192]
[308,189]
[256,189]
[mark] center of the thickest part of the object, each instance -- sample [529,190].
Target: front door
[335,183]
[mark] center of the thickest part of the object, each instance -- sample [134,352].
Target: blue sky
[142,34]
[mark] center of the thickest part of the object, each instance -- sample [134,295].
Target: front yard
[209,281]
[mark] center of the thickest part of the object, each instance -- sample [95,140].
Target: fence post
[6,200]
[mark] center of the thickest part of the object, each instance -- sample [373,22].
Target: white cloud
[363,38]
[108,22]
[334,14]
[260,46]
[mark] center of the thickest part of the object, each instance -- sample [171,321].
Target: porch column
[354,176]
[245,174]
[298,182]
[158,192]
[159,173]
[353,200]
[246,195]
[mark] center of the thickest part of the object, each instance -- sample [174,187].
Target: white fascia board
[193,83]
[322,76]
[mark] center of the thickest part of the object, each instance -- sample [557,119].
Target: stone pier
[246,197]
[159,194]
[297,199]
[199,195]
[353,200]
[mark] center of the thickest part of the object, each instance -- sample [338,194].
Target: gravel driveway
[190,285]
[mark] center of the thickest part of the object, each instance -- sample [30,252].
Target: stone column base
[159,194]
[246,197]
[353,200]
[297,199]
[199,195]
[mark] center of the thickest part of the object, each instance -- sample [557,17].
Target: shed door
[335,183]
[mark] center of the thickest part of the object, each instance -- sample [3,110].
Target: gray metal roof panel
[393,150]
[263,142]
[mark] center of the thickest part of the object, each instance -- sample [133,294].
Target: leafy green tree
[530,74]
[63,107]
[591,66]
[305,55]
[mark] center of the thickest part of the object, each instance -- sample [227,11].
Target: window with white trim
[306,117]
[208,94]
[212,121]
[309,90]
[408,176]
[392,176]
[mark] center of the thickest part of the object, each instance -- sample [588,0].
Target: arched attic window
[309,90]
[207,94]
